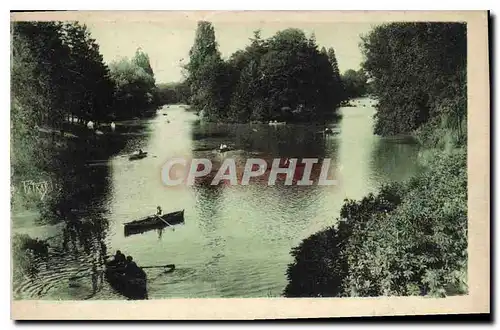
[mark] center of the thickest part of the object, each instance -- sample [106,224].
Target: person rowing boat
[126,277]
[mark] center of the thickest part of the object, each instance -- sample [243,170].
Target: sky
[168,42]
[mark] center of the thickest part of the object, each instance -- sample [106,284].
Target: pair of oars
[170,266]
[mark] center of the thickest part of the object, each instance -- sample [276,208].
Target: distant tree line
[410,238]
[173,93]
[355,83]
[285,78]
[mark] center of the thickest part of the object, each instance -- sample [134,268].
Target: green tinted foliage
[281,78]
[134,88]
[59,82]
[414,67]
[173,93]
[408,239]
[319,267]
[141,59]
[355,83]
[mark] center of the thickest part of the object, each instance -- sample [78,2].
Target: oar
[159,266]
[163,220]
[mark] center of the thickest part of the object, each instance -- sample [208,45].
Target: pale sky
[167,43]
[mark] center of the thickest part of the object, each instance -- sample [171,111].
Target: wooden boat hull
[138,156]
[154,222]
[131,287]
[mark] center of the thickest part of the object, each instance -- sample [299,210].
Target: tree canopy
[135,89]
[284,77]
[418,72]
[355,83]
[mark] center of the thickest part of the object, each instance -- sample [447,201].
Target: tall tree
[415,68]
[91,88]
[203,50]
[50,58]
[141,59]
[333,61]
[133,92]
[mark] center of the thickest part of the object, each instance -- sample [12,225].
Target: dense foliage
[59,82]
[409,238]
[173,93]
[61,66]
[418,72]
[135,90]
[355,83]
[284,77]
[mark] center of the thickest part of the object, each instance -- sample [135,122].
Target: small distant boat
[131,286]
[277,123]
[139,155]
[223,148]
[153,222]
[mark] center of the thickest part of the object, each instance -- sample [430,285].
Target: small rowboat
[154,222]
[138,156]
[131,286]
[223,150]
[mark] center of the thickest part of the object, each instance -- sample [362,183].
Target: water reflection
[78,249]
[394,159]
[236,239]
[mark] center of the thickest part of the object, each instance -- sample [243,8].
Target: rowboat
[138,156]
[130,286]
[153,222]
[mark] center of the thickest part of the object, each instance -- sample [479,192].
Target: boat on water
[223,148]
[132,286]
[139,155]
[154,222]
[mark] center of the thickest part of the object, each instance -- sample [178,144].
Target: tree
[318,269]
[414,67]
[49,59]
[173,93]
[284,77]
[91,88]
[409,238]
[134,88]
[354,83]
[338,85]
[204,49]
[141,59]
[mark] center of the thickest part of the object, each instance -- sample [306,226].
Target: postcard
[173,165]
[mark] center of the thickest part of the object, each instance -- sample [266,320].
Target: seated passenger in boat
[131,268]
[119,259]
[158,210]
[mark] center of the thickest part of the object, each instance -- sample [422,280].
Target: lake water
[236,240]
